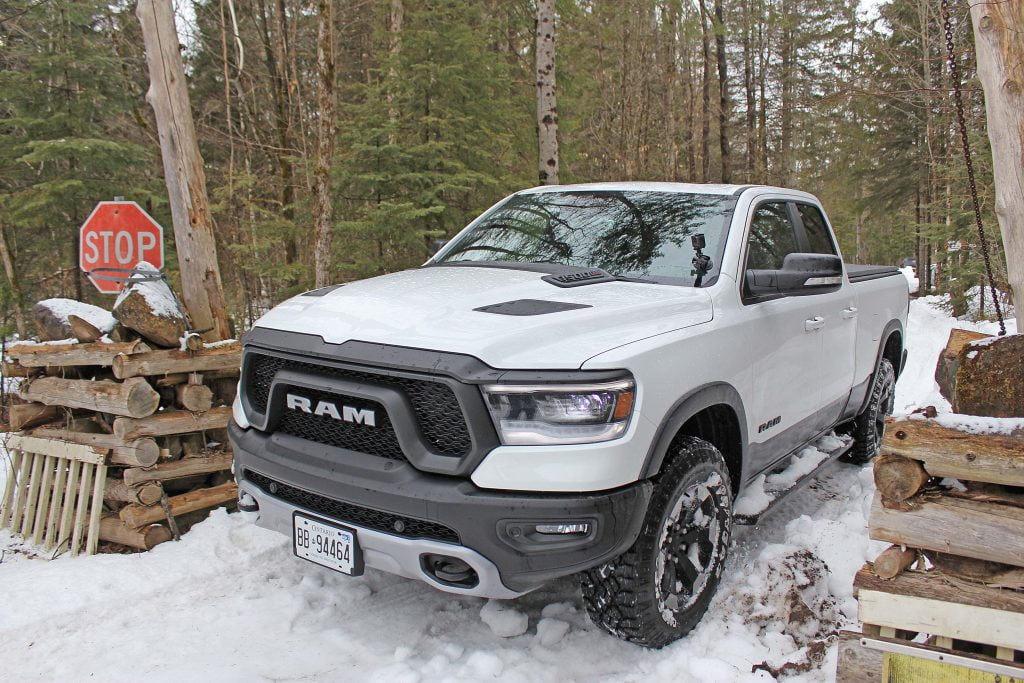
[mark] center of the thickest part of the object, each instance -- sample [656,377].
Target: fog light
[564,528]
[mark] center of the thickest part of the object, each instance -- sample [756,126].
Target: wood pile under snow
[120,420]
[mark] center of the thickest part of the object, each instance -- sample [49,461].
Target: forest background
[436,120]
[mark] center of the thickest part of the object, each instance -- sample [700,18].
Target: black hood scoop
[529,307]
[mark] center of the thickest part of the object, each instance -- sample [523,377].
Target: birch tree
[547,110]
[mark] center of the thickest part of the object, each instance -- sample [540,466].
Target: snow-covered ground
[230,602]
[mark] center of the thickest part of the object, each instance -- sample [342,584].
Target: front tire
[869,427]
[657,591]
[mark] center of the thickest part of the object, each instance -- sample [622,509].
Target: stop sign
[115,237]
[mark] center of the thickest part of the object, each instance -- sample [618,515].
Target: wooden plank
[132,398]
[18,508]
[983,530]
[200,499]
[84,488]
[12,480]
[925,615]
[92,538]
[33,495]
[856,663]
[53,519]
[171,422]
[60,449]
[43,506]
[68,505]
[136,453]
[66,355]
[185,467]
[220,357]
[942,606]
[992,458]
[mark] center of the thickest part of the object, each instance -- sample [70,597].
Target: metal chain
[954,72]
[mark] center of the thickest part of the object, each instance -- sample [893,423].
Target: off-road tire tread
[617,595]
[865,444]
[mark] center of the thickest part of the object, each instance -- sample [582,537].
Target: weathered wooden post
[183,170]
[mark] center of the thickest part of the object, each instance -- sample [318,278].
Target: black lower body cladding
[501,526]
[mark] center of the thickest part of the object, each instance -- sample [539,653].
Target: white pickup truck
[580,382]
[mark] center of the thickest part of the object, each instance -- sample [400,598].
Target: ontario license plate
[329,545]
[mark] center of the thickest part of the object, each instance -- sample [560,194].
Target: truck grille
[368,518]
[378,440]
[436,409]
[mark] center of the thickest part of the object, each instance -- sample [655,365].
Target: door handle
[849,313]
[815,323]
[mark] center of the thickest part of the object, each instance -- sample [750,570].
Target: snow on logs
[154,416]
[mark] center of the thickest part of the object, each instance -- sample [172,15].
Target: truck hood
[433,308]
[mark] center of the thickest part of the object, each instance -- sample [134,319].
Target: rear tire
[657,591]
[869,427]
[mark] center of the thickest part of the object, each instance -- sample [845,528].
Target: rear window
[820,242]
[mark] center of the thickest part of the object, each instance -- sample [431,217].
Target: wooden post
[1000,53]
[183,171]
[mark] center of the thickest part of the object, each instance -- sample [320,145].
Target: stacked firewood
[137,384]
[952,505]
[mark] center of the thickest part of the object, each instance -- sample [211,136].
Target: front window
[630,234]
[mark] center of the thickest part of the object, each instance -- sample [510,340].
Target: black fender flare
[701,398]
[891,327]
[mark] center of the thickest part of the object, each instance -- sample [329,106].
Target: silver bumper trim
[388,553]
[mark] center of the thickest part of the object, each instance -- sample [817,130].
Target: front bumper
[492,532]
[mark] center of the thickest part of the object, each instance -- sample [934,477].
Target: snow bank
[912,281]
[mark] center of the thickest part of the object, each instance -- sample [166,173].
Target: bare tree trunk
[547,110]
[748,89]
[14,283]
[322,208]
[705,111]
[998,28]
[724,104]
[394,48]
[672,107]
[183,171]
[786,105]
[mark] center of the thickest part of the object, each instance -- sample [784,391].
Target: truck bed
[861,273]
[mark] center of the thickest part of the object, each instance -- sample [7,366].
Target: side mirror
[801,274]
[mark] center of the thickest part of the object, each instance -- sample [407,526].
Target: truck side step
[752,504]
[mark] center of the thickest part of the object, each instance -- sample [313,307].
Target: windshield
[631,234]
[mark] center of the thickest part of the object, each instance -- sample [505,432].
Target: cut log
[991,458]
[192,342]
[114,530]
[172,422]
[148,307]
[229,375]
[181,468]
[84,331]
[993,574]
[893,561]
[131,398]
[195,397]
[898,478]
[143,494]
[137,515]
[136,453]
[223,357]
[15,369]
[985,531]
[28,415]
[64,355]
[949,360]
[171,445]
[52,318]
[990,378]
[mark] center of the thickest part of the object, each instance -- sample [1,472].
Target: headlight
[543,414]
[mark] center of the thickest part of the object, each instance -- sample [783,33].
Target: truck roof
[647,186]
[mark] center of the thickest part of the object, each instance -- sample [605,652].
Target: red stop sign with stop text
[113,239]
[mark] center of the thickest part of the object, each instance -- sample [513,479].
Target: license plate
[327,544]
